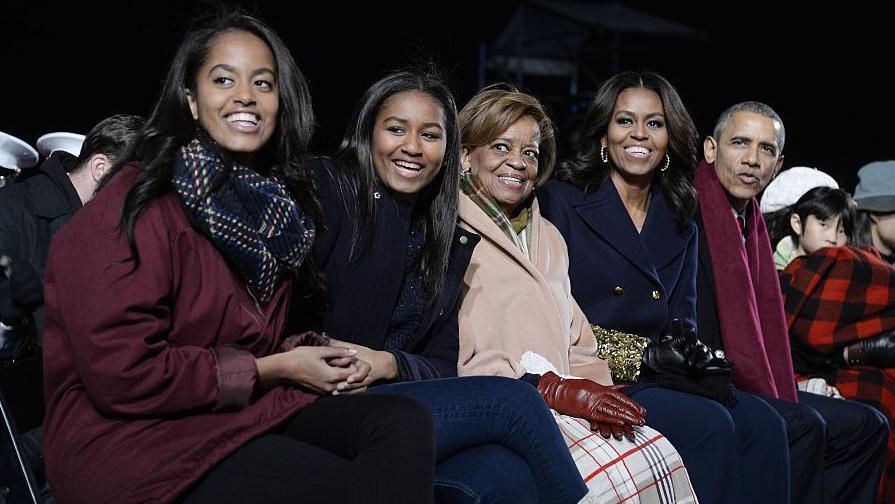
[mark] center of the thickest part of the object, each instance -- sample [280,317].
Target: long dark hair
[587,171]
[821,202]
[436,205]
[171,126]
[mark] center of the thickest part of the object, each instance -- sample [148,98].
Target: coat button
[618,290]
[657,295]
[464,240]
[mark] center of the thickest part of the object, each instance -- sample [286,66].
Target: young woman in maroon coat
[168,373]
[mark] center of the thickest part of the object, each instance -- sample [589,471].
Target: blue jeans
[488,430]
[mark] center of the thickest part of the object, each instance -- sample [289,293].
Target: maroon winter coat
[149,372]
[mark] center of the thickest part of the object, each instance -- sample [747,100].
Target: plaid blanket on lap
[647,470]
[837,296]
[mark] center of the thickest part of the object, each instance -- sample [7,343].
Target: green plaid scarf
[473,188]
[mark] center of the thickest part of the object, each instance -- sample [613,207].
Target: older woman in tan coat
[518,317]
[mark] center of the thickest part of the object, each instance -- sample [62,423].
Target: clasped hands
[334,368]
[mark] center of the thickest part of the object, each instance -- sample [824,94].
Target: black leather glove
[22,292]
[878,351]
[669,355]
[681,352]
[679,361]
[702,361]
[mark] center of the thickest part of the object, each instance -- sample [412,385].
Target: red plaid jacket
[836,296]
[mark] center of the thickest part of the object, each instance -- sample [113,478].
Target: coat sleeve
[583,360]
[438,356]
[116,319]
[477,354]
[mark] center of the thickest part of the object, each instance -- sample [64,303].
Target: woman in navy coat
[624,204]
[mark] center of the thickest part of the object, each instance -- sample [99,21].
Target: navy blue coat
[361,295]
[623,280]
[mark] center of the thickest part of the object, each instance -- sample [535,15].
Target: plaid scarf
[252,220]
[473,188]
[838,295]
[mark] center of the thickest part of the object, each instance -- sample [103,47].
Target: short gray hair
[756,108]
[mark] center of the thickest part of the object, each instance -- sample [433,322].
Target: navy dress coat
[635,283]
[361,293]
[638,283]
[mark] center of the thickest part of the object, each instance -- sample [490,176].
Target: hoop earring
[667,163]
[604,154]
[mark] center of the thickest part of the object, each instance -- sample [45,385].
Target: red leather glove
[608,411]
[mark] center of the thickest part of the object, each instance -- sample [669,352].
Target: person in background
[875,197]
[32,211]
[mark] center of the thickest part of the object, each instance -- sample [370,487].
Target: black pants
[358,448]
[836,449]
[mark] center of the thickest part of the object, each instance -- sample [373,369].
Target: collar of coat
[52,193]
[659,241]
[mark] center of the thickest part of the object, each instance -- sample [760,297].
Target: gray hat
[876,187]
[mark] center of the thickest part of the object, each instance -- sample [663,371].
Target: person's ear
[98,164]
[465,161]
[194,109]
[795,222]
[710,149]
[779,165]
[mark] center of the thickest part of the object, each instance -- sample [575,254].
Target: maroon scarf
[750,307]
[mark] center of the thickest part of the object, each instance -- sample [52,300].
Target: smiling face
[408,141]
[636,139]
[507,166]
[746,156]
[236,99]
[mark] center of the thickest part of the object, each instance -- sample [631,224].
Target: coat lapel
[660,233]
[605,214]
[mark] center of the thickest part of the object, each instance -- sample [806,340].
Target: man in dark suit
[31,211]
[34,209]
[836,446]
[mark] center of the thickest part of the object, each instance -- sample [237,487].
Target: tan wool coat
[512,304]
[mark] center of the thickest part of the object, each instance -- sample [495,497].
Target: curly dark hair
[586,170]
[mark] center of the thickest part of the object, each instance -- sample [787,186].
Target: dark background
[827,71]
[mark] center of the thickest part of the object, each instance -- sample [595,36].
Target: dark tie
[741,223]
